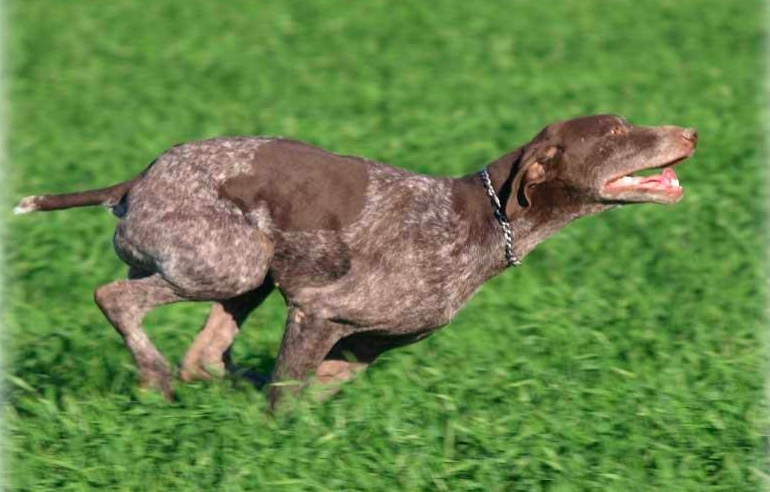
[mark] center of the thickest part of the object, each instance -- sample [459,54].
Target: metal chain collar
[501,218]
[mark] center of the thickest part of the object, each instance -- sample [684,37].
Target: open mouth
[660,187]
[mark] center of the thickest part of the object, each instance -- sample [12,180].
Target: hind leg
[125,303]
[209,354]
[193,257]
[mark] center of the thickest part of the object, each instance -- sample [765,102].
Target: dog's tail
[109,197]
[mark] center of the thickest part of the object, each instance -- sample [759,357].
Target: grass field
[627,354]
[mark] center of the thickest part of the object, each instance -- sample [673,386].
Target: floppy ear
[531,172]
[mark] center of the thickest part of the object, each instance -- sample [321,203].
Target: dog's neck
[529,227]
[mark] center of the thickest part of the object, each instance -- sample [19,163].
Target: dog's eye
[618,130]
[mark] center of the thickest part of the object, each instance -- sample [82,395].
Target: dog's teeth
[675,182]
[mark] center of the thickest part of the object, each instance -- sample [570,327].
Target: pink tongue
[666,177]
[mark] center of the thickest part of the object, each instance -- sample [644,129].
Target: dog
[368,257]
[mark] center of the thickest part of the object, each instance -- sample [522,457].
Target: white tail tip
[25,206]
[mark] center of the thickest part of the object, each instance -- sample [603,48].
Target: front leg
[306,341]
[350,356]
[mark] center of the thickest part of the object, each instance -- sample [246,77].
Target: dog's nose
[690,134]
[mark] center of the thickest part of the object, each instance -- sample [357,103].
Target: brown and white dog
[367,256]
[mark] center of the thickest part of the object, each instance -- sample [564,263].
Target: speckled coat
[367,256]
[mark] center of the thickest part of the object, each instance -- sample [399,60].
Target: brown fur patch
[303,187]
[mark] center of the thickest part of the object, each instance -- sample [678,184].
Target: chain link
[501,219]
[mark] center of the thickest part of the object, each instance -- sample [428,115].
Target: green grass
[625,355]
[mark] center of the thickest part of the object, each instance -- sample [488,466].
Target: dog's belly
[387,306]
[402,293]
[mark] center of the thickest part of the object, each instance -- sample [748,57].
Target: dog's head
[595,162]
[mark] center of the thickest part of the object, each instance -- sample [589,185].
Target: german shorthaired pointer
[367,256]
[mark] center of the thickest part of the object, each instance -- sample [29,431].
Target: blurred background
[626,354]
